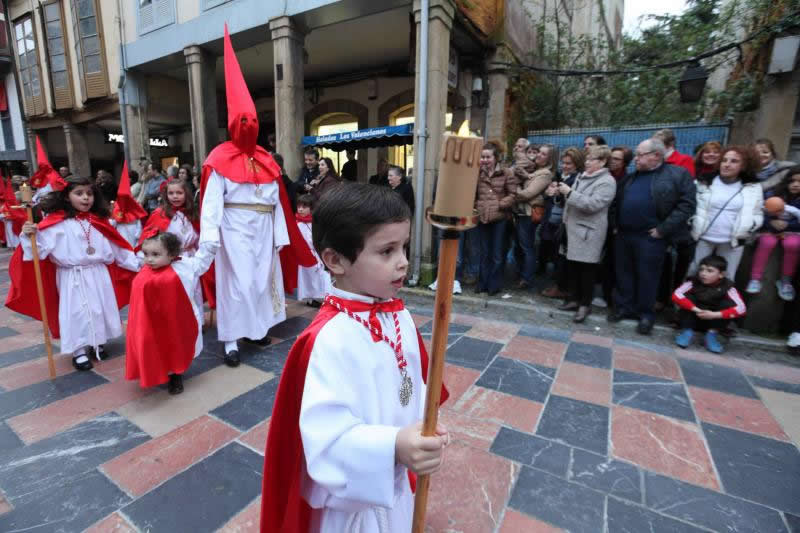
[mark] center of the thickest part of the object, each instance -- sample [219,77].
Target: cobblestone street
[553,430]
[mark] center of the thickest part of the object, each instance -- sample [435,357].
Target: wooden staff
[27,199]
[452,213]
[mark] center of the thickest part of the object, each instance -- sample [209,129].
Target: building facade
[12,140]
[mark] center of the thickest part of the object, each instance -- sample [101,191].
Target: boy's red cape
[283,509]
[160,309]
[126,208]
[22,296]
[241,160]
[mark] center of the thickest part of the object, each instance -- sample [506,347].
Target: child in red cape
[165,319]
[82,255]
[312,282]
[345,436]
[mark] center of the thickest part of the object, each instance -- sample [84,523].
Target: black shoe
[232,358]
[86,365]
[265,341]
[581,314]
[645,326]
[175,384]
[315,304]
[493,292]
[101,353]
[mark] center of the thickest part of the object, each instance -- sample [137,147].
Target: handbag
[537,213]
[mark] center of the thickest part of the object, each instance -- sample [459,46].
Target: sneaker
[712,343]
[785,290]
[599,302]
[433,285]
[456,287]
[684,338]
[753,287]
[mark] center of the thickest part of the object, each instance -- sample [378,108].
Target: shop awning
[368,138]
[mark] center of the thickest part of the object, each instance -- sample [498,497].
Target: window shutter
[58,53]
[90,48]
[28,64]
[155,14]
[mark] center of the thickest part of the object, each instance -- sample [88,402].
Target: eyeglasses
[642,154]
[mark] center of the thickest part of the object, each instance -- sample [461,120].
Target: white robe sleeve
[213,205]
[351,461]
[45,241]
[281,232]
[201,261]
[126,258]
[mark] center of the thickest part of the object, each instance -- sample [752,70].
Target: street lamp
[692,83]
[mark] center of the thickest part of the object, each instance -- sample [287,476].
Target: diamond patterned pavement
[552,430]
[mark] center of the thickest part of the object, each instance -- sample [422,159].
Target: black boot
[84,366]
[265,341]
[101,353]
[175,384]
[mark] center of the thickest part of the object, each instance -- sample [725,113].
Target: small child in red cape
[314,282]
[345,441]
[77,239]
[165,319]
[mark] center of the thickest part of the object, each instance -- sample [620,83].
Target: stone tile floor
[553,430]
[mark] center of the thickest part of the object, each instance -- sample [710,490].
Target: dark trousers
[581,281]
[639,260]
[607,276]
[689,320]
[469,257]
[673,275]
[526,244]
[492,246]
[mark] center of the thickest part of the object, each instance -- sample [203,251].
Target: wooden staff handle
[448,254]
[39,287]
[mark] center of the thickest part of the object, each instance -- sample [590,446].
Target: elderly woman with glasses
[586,220]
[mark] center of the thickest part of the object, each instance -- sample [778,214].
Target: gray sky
[635,8]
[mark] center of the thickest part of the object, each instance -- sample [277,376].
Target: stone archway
[360,111]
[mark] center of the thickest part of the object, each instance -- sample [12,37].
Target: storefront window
[338,123]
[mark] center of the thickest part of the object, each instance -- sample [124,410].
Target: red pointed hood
[126,209]
[46,173]
[242,118]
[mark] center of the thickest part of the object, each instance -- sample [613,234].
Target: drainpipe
[123,67]
[422,136]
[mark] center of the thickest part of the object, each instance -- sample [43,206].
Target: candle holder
[455,189]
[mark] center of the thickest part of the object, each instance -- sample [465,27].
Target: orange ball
[774,205]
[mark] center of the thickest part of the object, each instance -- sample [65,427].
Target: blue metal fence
[689,136]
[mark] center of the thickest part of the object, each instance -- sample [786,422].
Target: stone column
[137,130]
[30,134]
[201,69]
[287,42]
[77,150]
[439,26]
[495,128]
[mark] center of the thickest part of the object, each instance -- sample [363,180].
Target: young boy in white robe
[94,266]
[345,436]
[313,283]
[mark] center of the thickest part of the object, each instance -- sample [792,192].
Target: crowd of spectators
[630,237]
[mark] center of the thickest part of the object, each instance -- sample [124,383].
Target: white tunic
[12,239]
[349,419]
[249,290]
[189,269]
[87,306]
[312,282]
[130,231]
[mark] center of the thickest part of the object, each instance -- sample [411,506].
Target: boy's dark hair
[59,200]
[188,202]
[715,261]
[170,241]
[305,199]
[348,214]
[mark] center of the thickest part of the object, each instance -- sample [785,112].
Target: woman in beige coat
[586,221]
[533,177]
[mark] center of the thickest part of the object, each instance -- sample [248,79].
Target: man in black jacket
[310,170]
[652,208]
